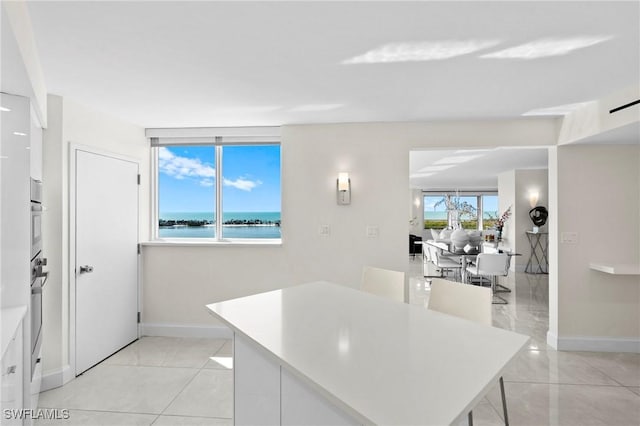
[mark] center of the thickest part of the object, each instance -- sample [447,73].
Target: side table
[538,262]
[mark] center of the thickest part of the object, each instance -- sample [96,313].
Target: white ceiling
[187,64]
[174,64]
[470,169]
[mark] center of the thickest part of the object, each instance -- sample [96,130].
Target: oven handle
[38,289]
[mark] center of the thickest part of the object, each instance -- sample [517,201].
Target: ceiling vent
[625,106]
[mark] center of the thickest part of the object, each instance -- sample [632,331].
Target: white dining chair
[445,263]
[383,282]
[491,266]
[466,301]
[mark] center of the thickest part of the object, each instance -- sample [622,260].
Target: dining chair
[491,265]
[383,282]
[445,263]
[468,302]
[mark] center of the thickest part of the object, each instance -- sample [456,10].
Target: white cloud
[181,167]
[241,183]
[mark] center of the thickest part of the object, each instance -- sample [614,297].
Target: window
[219,190]
[468,215]
[489,211]
[251,191]
[471,210]
[435,212]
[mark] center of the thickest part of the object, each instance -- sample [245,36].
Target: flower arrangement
[453,203]
[501,221]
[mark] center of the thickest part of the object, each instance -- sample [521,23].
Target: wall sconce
[343,186]
[533,198]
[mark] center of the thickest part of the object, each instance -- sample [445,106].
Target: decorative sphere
[459,238]
[475,238]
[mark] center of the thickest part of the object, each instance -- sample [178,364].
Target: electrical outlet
[569,237]
[324,230]
[373,231]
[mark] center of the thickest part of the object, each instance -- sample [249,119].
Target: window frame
[479,202]
[218,143]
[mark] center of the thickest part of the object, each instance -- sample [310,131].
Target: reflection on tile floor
[544,386]
[179,381]
[156,380]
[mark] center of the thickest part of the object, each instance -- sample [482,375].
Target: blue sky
[251,178]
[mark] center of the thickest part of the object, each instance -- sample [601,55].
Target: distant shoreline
[185,223]
[231,225]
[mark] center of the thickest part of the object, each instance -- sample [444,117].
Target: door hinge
[138,179]
[138,317]
[138,248]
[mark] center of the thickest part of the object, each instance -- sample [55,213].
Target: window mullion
[218,193]
[480,213]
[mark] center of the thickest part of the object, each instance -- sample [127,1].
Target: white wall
[179,281]
[594,117]
[513,190]
[73,123]
[416,211]
[506,199]
[527,181]
[597,197]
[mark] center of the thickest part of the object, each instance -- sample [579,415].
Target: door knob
[85,269]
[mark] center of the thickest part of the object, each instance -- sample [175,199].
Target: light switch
[324,230]
[373,231]
[569,237]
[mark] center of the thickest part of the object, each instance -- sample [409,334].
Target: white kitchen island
[321,353]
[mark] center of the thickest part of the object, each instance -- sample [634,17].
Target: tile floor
[544,386]
[156,380]
[173,381]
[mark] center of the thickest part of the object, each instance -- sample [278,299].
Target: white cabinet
[15,216]
[15,247]
[256,386]
[35,152]
[266,393]
[303,406]
[11,384]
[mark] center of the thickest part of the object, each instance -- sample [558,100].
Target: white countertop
[383,362]
[10,318]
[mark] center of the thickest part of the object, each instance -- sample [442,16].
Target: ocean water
[210,216]
[228,231]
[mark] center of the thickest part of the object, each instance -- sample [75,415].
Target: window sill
[206,242]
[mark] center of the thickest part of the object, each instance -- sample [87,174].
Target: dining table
[467,254]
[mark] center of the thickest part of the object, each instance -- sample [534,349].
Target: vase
[459,238]
[454,219]
[475,238]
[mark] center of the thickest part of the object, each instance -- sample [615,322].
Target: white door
[106,256]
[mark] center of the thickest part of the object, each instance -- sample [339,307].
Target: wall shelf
[616,268]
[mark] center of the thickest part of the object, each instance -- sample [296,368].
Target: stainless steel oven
[38,275]
[38,279]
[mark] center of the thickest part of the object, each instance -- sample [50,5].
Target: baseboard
[184,330]
[56,378]
[593,344]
